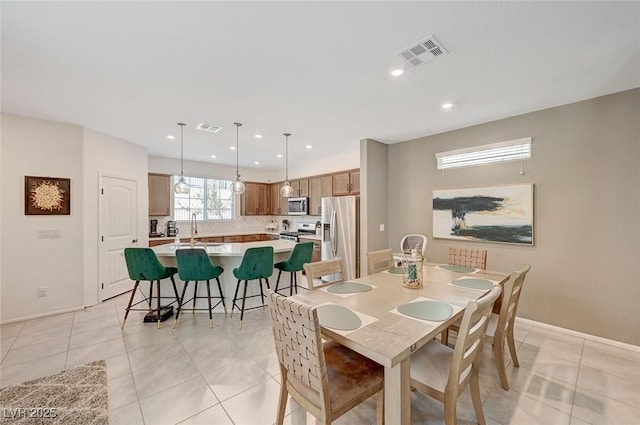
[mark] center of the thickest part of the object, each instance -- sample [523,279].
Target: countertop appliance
[172,228]
[340,233]
[298,206]
[304,228]
[153,229]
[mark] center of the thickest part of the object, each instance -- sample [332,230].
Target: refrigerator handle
[334,245]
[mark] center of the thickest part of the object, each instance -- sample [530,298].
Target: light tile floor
[197,375]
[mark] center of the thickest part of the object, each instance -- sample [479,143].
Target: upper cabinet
[319,187]
[347,183]
[256,199]
[159,194]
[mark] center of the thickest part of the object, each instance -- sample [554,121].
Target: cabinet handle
[134,241]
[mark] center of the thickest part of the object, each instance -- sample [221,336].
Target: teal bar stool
[143,265]
[195,265]
[257,263]
[300,255]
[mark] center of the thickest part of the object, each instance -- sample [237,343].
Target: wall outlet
[382,227]
[42,291]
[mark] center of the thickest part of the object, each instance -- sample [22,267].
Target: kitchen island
[228,256]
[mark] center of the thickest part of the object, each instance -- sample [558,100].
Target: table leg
[397,393]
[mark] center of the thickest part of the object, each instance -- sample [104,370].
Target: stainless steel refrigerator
[340,233]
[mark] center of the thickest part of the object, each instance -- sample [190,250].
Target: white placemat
[456,310]
[345,295]
[364,318]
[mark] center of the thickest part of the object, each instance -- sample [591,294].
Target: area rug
[74,396]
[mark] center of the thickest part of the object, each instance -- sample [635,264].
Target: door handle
[134,241]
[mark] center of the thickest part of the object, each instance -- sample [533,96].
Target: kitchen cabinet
[255,200]
[159,194]
[319,187]
[300,188]
[347,183]
[279,204]
[159,242]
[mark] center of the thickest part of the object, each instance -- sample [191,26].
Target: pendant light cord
[181,149]
[286,156]
[237,124]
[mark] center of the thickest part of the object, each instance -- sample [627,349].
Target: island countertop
[235,249]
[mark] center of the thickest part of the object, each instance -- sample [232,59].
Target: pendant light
[182,187]
[286,190]
[237,186]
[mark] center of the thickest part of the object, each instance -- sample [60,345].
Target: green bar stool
[300,255]
[143,264]
[195,265]
[257,263]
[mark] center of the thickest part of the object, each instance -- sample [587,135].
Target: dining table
[378,325]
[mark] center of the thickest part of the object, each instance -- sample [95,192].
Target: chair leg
[474,386]
[295,281]
[195,296]
[282,399]
[126,310]
[221,296]
[444,337]
[291,281]
[184,290]
[511,342]
[244,298]
[159,307]
[450,412]
[278,280]
[209,299]
[267,280]
[498,354]
[235,297]
[150,300]
[261,292]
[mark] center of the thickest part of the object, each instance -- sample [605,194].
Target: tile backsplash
[243,224]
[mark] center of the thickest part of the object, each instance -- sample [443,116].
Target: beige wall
[373,193]
[586,169]
[68,265]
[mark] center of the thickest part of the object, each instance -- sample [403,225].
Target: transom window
[209,199]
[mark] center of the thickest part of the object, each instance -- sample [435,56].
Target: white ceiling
[319,70]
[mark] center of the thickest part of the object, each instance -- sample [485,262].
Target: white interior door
[118,230]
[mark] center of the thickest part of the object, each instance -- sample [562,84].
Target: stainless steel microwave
[298,206]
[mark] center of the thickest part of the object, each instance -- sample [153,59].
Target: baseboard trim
[38,316]
[590,337]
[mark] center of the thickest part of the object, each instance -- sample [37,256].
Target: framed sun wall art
[47,196]
[486,214]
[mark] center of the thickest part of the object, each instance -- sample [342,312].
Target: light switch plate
[49,233]
[382,227]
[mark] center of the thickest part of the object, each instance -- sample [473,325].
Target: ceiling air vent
[423,51]
[208,127]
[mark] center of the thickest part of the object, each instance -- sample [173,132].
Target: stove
[304,228]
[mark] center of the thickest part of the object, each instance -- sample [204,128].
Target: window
[487,154]
[209,199]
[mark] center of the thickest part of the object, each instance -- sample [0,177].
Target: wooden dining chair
[380,261]
[326,379]
[332,270]
[444,373]
[469,257]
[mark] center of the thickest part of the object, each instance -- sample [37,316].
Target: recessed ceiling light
[446,105]
[308,146]
[256,162]
[233,148]
[258,136]
[171,137]
[279,155]
[397,72]
[213,156]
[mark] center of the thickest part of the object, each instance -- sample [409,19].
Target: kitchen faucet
[194,229]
